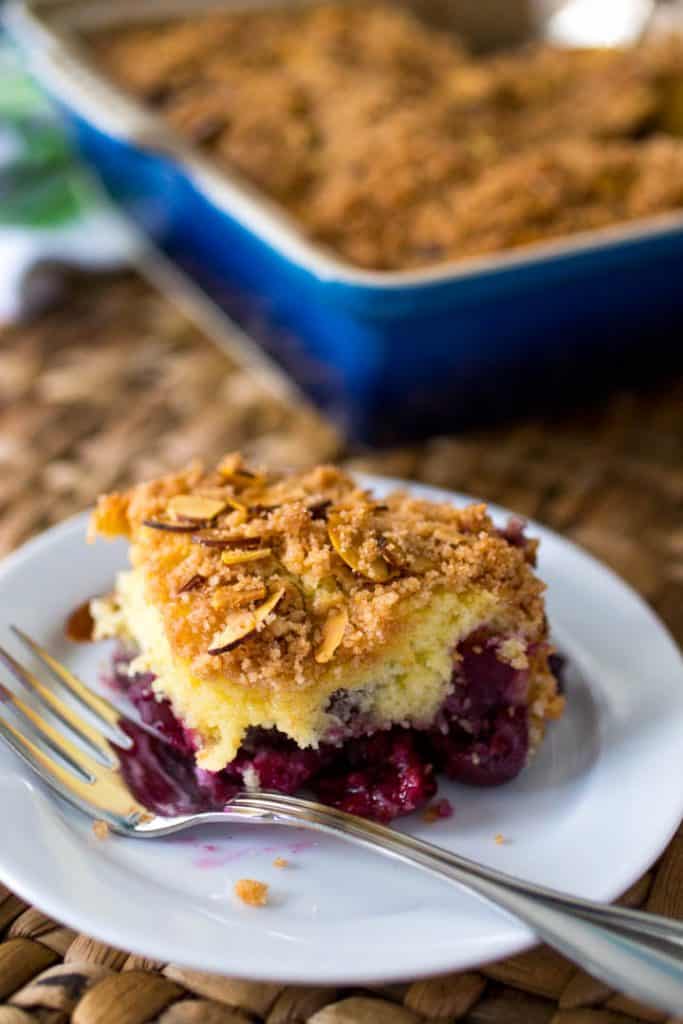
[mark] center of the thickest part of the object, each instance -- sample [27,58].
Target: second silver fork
[633,952]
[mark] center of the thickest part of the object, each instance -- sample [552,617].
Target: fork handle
[631,951]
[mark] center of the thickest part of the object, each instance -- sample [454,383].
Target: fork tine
[104,711]
[89,736]
[109,800]
[29,717]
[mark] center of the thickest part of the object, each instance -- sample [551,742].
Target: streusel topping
[271,580]
[392,145]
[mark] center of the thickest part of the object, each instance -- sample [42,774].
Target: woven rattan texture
[114,385]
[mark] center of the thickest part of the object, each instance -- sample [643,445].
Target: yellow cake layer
[406,683]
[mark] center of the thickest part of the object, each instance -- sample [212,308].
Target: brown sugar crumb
[328,589]
[251,892]
[393,145]
[100,829]
[280,862]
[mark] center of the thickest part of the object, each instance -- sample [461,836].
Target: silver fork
[634,952]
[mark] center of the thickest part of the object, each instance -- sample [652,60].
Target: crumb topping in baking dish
[392,145]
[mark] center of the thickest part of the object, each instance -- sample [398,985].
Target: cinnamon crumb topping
[390,143]
[316,598]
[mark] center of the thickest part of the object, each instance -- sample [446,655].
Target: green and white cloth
[51,211]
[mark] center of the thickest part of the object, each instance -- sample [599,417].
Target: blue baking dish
[389,356]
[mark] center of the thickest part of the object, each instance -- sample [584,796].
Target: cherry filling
[380,776]
[480,737]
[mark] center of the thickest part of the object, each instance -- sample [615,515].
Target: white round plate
[591,813]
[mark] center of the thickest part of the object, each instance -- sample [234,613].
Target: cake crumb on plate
[254,893]
[100,829]
[280,862]
[500,839]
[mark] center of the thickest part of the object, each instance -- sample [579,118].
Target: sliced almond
[195,507]
[239,624]
[160,524]
[241,509]
[225,540]
[378,570]
[333,633]
[194,583]
[229,597]
[245,478]
[236,557]
[238,598]
[229,463]
[232,468]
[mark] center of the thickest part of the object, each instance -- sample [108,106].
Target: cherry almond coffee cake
[291,632]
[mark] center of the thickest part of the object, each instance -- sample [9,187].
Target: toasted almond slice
[333,632]
[220,541]
[235,557]
[194,583]
[248,481]
[232,468]
[159,524]
[240,508]
[238,598]
[239,624]
[196,507]
[229,463]
[229,597]
[378,571]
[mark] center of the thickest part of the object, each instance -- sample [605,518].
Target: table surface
[111,385]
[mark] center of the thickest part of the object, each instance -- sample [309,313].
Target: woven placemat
[114,385]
